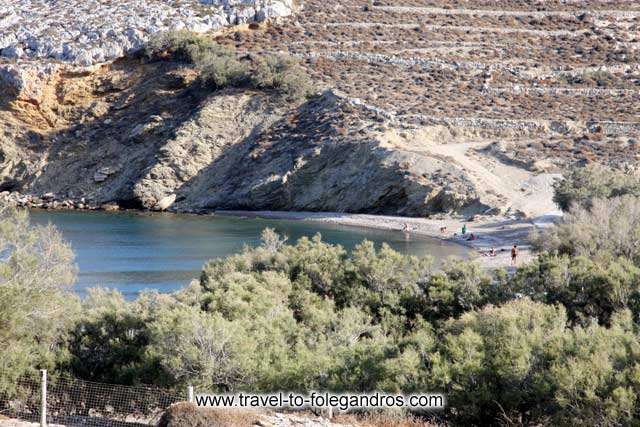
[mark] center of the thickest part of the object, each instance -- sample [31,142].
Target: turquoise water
[132,251]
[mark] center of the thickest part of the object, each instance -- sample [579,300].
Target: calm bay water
[131,251]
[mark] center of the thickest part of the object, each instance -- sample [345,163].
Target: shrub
[219,66]
[223,71]
[185,46]
[108,342]
[284,75]
[521,364]
[587,289]
[461,286]
[36,305]
[582,185]
[607,230]
[312,316]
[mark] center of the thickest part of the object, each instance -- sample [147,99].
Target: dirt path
[498,183]
[514,189]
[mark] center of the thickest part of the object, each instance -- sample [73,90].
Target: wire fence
[74,402]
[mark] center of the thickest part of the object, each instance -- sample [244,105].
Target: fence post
[43,399]
[190,394]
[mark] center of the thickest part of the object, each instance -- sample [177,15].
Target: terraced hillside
[427,106]
[556,80]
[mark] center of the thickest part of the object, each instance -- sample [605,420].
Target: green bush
[108,342]
[607,230]
[522,364]
[556,344]
[36,304]
[224,71]
[282,74]
[586,288]
[219,66]
[185,46]
[582,185]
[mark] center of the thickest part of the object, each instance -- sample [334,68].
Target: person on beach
[464,229]
[492,252]
[514,254]
[443,230]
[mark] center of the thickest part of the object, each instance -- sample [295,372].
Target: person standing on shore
[406,230]
[514,255]
[464,229]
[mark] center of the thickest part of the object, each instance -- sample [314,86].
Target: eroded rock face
[26,82]
[151,144]
[86,32]
[314,160]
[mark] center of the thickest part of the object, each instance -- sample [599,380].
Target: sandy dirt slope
[515,188]
[505,185]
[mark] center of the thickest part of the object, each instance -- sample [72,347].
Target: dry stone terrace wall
[557,78]
[86,32]
[536,84]
[518,13]
[563,5]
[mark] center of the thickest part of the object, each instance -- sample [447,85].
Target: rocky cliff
[421,108]
[145,135]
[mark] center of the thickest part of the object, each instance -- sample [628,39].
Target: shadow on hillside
[143,106]
[310,161]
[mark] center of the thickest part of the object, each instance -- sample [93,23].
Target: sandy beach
[496,232]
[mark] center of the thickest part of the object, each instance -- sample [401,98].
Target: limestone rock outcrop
[86,32]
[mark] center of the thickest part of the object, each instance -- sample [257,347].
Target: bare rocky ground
[263,419]
[87,32]
[423,107]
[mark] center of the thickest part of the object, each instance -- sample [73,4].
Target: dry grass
[384,420]
[465,59]
[185,414]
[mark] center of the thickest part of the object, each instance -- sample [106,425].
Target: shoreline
[493,231]
[499,232]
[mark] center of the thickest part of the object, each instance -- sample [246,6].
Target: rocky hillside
[86,32]
[422,107]
[145,136]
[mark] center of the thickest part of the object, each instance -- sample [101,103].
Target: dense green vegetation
[555,343]
[219,66]
[583,185]
[36,310]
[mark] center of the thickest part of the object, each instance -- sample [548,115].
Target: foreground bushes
[554,344]
[219,66]
[36,270]
[586,288]
[522,363]
[608,229]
